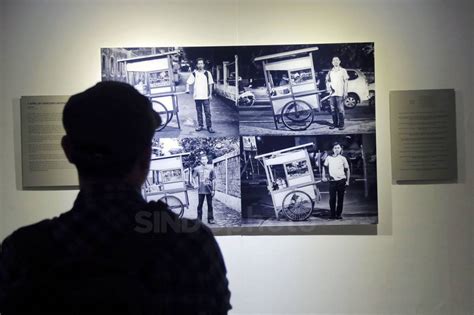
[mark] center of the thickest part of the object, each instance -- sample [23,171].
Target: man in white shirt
[202,81]
[339,175]
[336,84]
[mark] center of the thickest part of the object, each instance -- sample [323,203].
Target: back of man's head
[108,127]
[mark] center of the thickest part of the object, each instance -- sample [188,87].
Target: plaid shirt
[113,252]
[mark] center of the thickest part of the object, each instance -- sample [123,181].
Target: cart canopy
[284,158]
[291,64]
[148,63]
[167,162]
[287,54]
[286,155]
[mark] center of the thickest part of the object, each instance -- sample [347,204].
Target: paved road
[225,117]
[223,215]
[260,122]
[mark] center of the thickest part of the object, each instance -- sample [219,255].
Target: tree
[212,147]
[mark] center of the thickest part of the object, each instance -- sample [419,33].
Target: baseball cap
[108,125]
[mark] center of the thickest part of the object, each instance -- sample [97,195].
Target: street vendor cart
[292,87]
[291,182]
[155,77]
[166,182]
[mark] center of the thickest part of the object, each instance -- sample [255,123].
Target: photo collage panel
[259,136]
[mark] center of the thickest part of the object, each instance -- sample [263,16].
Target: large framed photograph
[286,133]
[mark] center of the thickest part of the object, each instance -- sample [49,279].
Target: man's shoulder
[177,239]
[192,229]
[195,240]
[205,72]
[341,69]
[339,157]
[29,237]
[172,225]
[28,230]
[197,228]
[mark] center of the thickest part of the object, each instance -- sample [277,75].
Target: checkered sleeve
[9,272]
[216,275]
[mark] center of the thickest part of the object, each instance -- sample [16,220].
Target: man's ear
[145,158]
[67,147]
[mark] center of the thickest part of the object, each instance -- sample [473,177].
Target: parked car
[372,94]
[259,90]
[358,87]
[360,90]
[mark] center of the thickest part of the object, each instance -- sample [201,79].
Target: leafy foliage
[212,147]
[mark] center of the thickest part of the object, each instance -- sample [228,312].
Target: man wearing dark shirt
[206,186]
[112,252]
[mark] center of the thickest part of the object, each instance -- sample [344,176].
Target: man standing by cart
[337,84]
[339,175]
[206,187]
[202,81]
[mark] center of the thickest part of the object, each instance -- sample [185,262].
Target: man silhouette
[112,253]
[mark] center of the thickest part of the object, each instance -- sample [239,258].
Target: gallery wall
[420,257]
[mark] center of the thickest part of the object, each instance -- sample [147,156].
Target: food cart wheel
[174,204]
[297,115]
[297,205]
[164,113]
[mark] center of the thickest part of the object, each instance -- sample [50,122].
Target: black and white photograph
[309,180]
[190,87]
[259,135]
[198,178]
[306,89]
